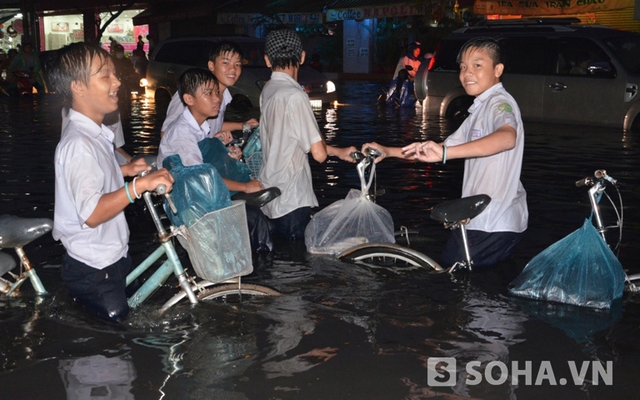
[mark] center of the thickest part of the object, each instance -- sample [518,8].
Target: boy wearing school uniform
[491,140]
[90,191]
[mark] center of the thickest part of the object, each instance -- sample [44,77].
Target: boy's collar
[483,96]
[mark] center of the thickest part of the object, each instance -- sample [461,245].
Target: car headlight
[144,82]
[331,87]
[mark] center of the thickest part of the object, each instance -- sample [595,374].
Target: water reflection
[98,377]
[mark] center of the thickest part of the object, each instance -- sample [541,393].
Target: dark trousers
[291,226]
[486,249]
[101,291]
[259,230]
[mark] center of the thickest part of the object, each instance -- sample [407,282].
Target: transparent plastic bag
[579,269]
[197,190]
[346,223]
[351,221]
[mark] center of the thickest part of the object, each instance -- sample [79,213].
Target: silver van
[175,55]
[557,72]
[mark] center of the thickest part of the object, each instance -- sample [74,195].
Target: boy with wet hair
[90,191]
[491,140]
[200,94]
[288,132]
[199,91]
[225,62]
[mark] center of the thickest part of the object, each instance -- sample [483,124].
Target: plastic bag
[579,269]
[346,223]
[197,191]
[215,153]
[218,244]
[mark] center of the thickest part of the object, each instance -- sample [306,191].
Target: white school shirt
[288,128]
[498,175]
[111,121]
[177,107]
[86,169]
[182,137]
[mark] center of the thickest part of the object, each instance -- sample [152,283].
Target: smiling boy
[90,191]
[225,62]
[491,140]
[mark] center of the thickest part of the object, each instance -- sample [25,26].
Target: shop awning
[546,7]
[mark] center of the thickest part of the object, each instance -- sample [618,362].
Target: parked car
[557,72]
[175,55]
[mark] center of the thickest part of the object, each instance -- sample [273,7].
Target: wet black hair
[72,63]
[192,79]
[224,47]
[491,45]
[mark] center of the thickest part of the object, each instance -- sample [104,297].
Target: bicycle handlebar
[598,175]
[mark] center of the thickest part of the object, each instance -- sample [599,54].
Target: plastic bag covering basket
[579,269]
[218,244]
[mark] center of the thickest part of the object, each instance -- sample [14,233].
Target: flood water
[339,331]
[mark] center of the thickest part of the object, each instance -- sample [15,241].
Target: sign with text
[548,7]
[285,18]
[392,10]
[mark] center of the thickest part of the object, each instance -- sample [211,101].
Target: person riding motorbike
[27,70]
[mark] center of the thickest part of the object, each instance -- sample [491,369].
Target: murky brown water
[339,331]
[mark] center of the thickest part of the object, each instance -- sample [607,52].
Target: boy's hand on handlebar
[235,152]
[380,149]
[151,181]
[253,186]
[252,123]
[225,136]
[135,167]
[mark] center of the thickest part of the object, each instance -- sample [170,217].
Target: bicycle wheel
[233,293]
[389,255]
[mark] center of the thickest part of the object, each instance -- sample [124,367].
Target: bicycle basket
[252,153]
[218,244]
[254,162]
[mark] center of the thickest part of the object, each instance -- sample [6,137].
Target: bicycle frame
[171,266]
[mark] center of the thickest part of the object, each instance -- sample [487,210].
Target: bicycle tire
[230,289]
[379,254]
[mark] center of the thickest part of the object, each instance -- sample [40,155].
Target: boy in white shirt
[491,140]
[90,191]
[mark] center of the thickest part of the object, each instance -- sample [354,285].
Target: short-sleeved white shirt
[288,128]
[182,137]
[111,121]
[86,169]
[498,175]
[177,107]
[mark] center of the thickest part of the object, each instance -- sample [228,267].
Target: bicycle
[597,187]
[210,281]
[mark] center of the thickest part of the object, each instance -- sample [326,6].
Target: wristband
[135,192]
[126,190]
[444,154]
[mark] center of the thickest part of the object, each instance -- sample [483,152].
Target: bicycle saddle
[259,198]
[460,209]
[7,263]
[16,231]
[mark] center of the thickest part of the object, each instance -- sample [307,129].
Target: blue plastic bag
[197,191]
[215,153]
[579,269]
